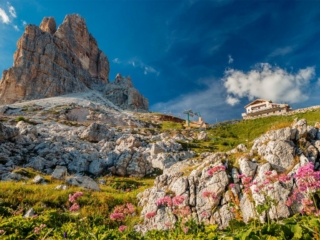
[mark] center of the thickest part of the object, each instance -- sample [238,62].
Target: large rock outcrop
[51,62]
[122,93]
[215,193]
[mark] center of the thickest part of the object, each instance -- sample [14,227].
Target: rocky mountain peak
[50,62]
[124,82]
[48,24]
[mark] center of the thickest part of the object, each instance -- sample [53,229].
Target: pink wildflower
[151,214]
[122,228]
[178,200]
[130,208]
[185,230]
[168,224]
[268,173]
[231,185]
[117,216]
[246,180]
[204,213]
[214,196]
[165,201]
[185,211]
[283,178]
[206,194]
[2,231]
[216,169]
[74,197]
[75,207]
[37,230]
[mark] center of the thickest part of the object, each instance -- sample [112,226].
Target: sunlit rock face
[122,93]
[51,62]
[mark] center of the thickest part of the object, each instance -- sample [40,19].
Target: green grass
[168,125]
[225,137]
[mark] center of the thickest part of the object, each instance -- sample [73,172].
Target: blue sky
[213,57]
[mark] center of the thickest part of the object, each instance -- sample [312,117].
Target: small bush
[20,118]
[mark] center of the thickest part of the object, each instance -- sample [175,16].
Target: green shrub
[20,118]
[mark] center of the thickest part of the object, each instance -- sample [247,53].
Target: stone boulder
[97,132]
[83,181]
[60,172]
[127,142]
[26,128]
[7,133]
[203,136]
[38,179]
[13,177]
[122,93]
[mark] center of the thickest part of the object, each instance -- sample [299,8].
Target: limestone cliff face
[122,93]
[51,62]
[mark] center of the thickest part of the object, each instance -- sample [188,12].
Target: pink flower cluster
[122,228]
[263,186]
[121,211]
[151,214]
[73,198]
[117,216]
[215,169]
[2,231]
[75,207]
[183,211]
[37,230]
[308,182]
[174,203]
[165,201]
[178,200]
[207,194]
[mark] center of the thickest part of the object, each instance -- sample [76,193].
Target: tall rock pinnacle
[51,62]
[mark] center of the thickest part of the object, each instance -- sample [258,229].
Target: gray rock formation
[7,133]
[83,181]
[59,172]
[50,62]
[96,132]
[207,195]
[122,93]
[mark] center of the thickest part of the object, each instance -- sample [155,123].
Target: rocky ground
[78,138]
[85,134]
[216,191]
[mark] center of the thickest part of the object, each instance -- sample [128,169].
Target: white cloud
[12,11]
[150,70]
[116,60]
[232,100]
[24,23]
[208,102]
[268,82]
[4,17]
[16,27]
[137,63]
[281,51]
[230,59]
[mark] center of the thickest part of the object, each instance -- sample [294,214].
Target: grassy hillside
[224,137]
